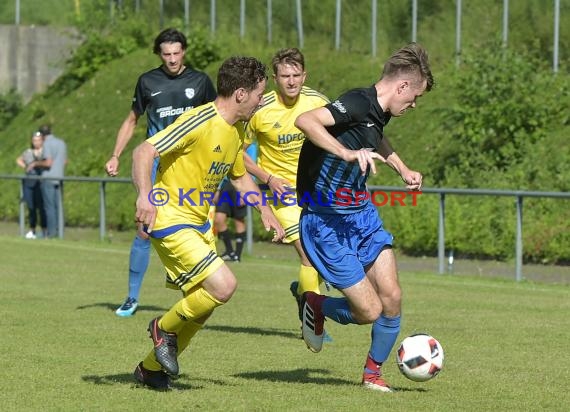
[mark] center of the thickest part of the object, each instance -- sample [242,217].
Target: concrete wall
[32,57]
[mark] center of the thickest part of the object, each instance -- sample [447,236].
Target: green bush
[10,105]
[507,102]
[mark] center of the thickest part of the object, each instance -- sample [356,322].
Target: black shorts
[228,202]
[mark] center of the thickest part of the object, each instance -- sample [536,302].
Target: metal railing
[102,181]
[519,195]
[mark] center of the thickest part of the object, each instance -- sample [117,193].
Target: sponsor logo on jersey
[289,137]
[218,149]
[172,111]
[277,125]
[155,93]
[217,168]
[339,106]
[189,92]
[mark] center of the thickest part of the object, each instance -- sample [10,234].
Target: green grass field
[63,348]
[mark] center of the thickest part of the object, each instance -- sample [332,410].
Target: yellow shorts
[288,216]
[188,256]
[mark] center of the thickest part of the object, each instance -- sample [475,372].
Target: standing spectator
[32,187]
[53,166]
[164,93]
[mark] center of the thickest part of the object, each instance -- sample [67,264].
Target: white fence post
[556,36]
[269,21]
[458,33]
[505,22]
[414,20]
[241,18]
[300,24]
[519,242]
[373,29]
[337,23]
[213,16]
[441,234]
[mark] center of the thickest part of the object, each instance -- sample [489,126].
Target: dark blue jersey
[164,97]
[325,182]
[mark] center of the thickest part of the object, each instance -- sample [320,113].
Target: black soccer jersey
[325,182]
[165,97]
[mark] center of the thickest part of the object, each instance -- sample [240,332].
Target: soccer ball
[420,357]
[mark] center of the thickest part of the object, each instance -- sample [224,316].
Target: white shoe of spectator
[30,235]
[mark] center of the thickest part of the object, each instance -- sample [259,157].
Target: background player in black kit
[164,94]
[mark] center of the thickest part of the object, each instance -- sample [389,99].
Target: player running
[195,153]
[346,242]
[279,143]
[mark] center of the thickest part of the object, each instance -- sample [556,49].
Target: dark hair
[45,129]
[292,56]
[169,35]
[240,72]
[411,59]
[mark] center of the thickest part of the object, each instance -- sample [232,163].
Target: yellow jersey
[196,152]
[279,141]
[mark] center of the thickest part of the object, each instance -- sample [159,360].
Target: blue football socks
[385,331]
[138,264]
[337,309]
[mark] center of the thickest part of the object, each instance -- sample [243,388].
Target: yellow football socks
[308,280]
[185,319]
[193,306]
[187,333]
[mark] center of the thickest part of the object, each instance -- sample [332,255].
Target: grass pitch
[506,343]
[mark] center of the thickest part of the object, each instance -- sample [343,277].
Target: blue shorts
[340,246]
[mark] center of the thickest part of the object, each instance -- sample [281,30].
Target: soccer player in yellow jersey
[279,143]
[195,153]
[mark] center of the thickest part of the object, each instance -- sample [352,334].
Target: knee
[224,292]
[370,313]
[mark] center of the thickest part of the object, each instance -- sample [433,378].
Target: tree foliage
[106,40]
[507,105]
[10,105]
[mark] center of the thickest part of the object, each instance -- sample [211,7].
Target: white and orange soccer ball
[420,357]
